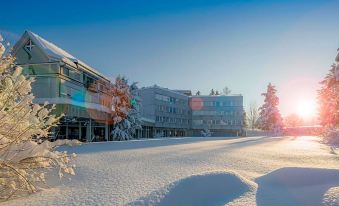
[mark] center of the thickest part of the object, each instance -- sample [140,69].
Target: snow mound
[215,188]
[298,186]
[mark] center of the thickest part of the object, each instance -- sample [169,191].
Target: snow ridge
[214,188]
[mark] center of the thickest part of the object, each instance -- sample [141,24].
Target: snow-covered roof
[59,54]
[164,89]
[221,95]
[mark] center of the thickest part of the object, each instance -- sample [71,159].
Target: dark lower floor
[83,129]
[220,132]
[90,130]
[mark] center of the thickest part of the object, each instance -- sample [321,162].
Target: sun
[306,108]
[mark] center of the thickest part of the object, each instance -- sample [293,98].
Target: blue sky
[193,44]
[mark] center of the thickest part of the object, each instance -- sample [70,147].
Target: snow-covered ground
[199,171]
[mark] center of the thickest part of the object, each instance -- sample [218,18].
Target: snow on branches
[269,116]
[25,157]
[206,132]
[328,98]
[126,110]
[121,102]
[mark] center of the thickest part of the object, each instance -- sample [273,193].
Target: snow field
[246,171]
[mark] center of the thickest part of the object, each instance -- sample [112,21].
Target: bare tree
[253,115]
[293,120]
[226,91]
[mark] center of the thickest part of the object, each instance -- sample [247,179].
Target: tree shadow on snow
[199,190]
[295,186]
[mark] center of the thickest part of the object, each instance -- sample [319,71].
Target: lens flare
[306,108]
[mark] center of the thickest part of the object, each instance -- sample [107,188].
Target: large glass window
[40,69]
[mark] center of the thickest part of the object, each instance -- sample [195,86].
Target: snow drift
[297,186]
[215,188]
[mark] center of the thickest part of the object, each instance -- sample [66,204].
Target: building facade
[168,110]
[178,113]
[222,115]
[79,92]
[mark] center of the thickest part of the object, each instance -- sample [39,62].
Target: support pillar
[106,131]
[79,131]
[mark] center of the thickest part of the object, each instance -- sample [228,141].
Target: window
[74,75]
[162,97]
[100,87]
[65,71]
[89,82]
[29,46]
[172,100]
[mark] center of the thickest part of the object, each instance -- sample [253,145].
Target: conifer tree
[128,119]
[269,116]
[328,97]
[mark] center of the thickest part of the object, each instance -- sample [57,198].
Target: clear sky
[193,44]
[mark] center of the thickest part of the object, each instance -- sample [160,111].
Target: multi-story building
[222,115]
[178,113]
[78,91]
[167,109]
[83,95]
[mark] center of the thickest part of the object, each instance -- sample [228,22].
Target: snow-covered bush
[206,133]
[331,136]
[25,157]
[121,131]
[159,135]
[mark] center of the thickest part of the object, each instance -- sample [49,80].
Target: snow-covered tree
[328,97]
[212,93]
[253,116]
[244,120]
[131,121]
[134,116]
[121,100]
[25,157]
[269,116]
[206,132]
[198,93]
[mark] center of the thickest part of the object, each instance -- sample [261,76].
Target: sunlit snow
[199,171]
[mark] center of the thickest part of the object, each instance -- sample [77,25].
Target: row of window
[84,96]
[230,103]
[89,81]
[221,113]
[172,120]
[71,73]
[172,110]
[217,122]
[169,99]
